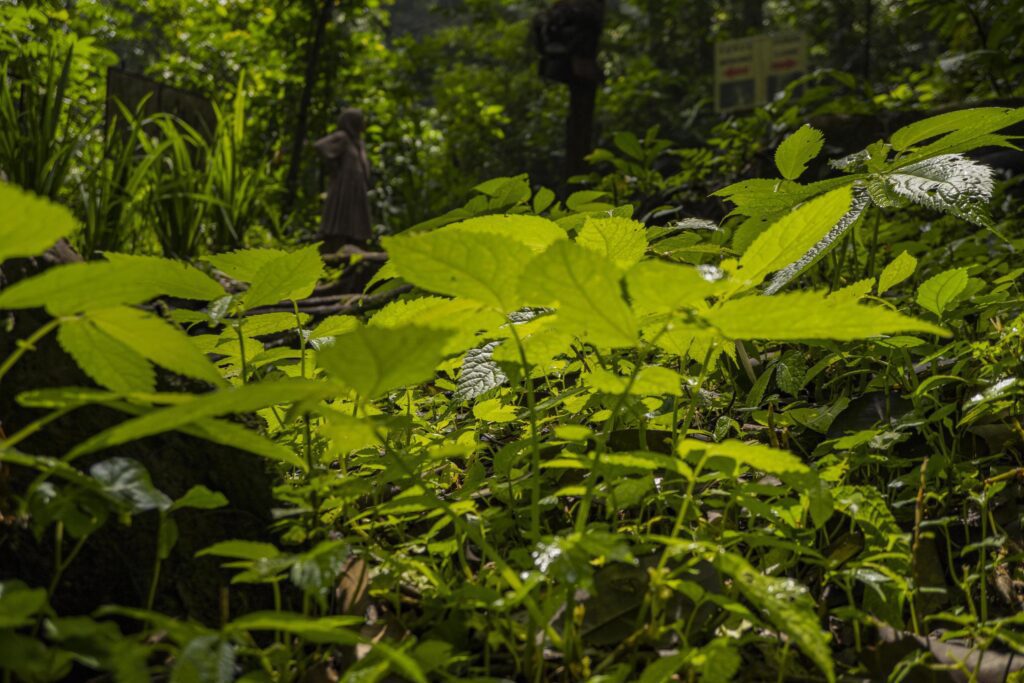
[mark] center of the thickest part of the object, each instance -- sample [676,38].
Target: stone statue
[346,214]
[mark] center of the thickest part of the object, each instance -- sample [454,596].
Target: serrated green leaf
[334,325]
[936,293]
[479,373]
[291,277]
[902,267]
[659,287]
[584,287]
[950,183]
[760,457]
[464,318]
[157,340]
[107,361]
[623,241]
[966,126]
[243,264]
[809,315]
[374,360]
[167,277]
[479,266]
[535,232]
[242,399]
[793,236]
[797,150]
[785,604]
[30,225]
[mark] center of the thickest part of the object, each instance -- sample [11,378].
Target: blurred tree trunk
[320,18]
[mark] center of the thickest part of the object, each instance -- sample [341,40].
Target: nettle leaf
[845,222]
[30,225]
[79,287]
[242,399]
[963,130]
[768,197]
[950,183]
[272,323]
[660,287]
[107,361]
[479,266]
[157,340]
[902,267]
[167,277]
[374,360]
[759,457]
[809,315]
[793,236]
[584,287]
[535,232]
[936,293]
[290,277]
[128,481]
[785,604]
[479,373]
[462,317]
[797,150]
[244,264]
[621,240]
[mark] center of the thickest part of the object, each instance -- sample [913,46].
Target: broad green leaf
[334,325]
[660,287]
[763,458]
[785,604]
[902,267]
[29,225]
[291,277]
[462,317]
[18,603]
[271,323]
[584,287]
[793,236]
[965,126]
[128,481]
[107,361]
[200,498]
[621,240]
[244,264]
[242,399]
[483,267]
[768,197]
[240,550]
[535,232]
[79,287]
[479,373]
[936,293]
[809,315]
[234,435]
[797,150]
[950,183]
[167,277]
[374,360]
[207,658]
[153,338]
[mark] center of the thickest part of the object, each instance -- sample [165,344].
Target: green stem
[28,345]
[241,352]
[531,405]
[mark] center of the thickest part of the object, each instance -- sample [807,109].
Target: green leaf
[153,338]
[241,550]
[763,458]
[793,236]
[950,183]
[809,315]
[785,604]
[30,225]
[621,240]
[333,629]
[659,287]
[543,200]
[966,127]
[235,435]
[128,480]
[535,232]
[584,287]
[19,603]
[200,498]
[902,267]
[374,360]
[243,399]
[479,266]
[797,150]
[244,264]
[107,361]
[462,317]
[936,293]
[271,323]
[291,277]
[209,659]
[167,277]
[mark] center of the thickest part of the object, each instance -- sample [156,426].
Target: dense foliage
[743,403]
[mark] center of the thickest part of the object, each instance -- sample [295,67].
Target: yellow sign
[749,71]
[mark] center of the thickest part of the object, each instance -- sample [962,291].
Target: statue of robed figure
[346,213]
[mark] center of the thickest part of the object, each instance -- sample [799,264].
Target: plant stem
[531,404]
[28,345]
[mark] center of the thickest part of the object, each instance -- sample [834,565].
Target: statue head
[352,121]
